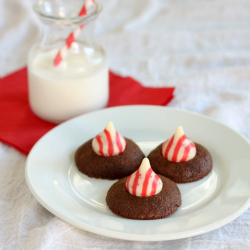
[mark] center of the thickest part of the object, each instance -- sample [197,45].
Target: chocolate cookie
[111,167]
[182,172]
[158,206]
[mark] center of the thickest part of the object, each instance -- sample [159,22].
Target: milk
[78,85]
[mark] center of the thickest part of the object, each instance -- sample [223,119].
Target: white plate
[207,204]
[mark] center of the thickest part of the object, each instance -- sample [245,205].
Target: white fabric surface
[201,47]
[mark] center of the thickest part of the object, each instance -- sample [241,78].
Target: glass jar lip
[68,20]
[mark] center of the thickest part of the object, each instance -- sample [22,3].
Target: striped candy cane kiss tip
[109,142]
[144,182]
[178,148]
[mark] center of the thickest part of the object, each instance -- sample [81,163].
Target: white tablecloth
[201,47]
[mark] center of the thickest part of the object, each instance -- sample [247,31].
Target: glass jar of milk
[79,82]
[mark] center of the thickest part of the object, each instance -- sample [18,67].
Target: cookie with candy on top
[109,155]
[181,160]
[144,195]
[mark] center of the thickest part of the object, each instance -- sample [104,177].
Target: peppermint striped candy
[109,142]
[178,148]
[71,38]
[144,182]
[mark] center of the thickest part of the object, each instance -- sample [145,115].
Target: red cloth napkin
[21,128]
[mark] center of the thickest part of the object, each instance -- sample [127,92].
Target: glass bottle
[79,83]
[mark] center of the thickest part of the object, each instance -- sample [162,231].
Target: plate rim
[128,236]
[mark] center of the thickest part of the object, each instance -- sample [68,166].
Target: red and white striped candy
[144,182]
[109,142]
[178,148]
[71,38]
